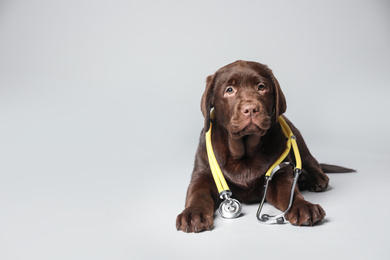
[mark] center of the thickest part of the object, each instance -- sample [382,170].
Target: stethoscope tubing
[231,208]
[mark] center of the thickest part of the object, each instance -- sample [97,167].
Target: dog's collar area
[231,208]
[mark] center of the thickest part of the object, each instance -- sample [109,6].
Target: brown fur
[247,139]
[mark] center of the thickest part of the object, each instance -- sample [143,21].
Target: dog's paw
[305,213]
[194,219]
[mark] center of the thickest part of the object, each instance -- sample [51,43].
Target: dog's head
[246,98]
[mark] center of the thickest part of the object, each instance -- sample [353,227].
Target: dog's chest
[245,171]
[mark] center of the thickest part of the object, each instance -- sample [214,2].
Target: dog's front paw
[194,219]
[304,213]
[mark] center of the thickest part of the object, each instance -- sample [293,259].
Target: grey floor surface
[100,118]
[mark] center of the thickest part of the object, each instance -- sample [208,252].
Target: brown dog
[247,139]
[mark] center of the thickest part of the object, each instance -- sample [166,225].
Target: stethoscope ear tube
[291,142]
[279,218]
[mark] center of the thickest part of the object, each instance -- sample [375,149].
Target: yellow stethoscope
[231,208]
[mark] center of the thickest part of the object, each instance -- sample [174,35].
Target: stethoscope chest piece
[230,208]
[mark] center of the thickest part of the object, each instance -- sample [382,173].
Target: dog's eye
[261,87]
[230,91]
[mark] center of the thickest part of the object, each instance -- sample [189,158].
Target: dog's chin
[250,129]
[250,126]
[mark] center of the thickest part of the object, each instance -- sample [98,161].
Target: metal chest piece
[229,208]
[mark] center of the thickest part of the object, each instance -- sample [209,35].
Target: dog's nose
[249,110]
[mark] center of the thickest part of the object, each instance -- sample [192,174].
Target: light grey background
[100,118]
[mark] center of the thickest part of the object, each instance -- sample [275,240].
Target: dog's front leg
[302,212]
[202,196]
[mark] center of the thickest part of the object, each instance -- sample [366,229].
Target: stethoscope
[231,208]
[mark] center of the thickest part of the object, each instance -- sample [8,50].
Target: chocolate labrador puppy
[247,138]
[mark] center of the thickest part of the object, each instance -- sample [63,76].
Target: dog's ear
[280,100]
[207,101]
